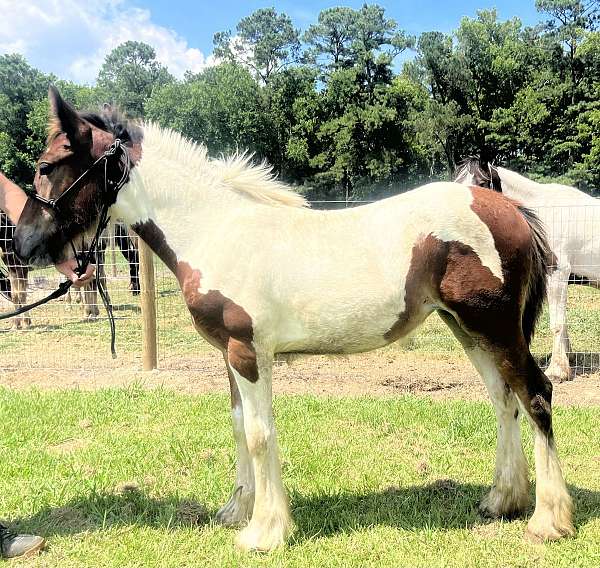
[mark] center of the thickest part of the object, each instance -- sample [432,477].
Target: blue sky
[198,21]
[71,38]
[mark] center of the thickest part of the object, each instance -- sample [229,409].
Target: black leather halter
[116,151]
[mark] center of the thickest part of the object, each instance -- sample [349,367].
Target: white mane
[235,172]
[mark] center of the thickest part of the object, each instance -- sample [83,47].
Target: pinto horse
[262,274]
[574,237]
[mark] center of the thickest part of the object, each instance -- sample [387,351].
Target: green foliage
[129,74]
[220,107]
[20,86]
[332,114]
[265,42]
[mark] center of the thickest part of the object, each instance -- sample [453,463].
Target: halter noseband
[109,196]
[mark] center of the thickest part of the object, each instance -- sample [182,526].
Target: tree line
[336,113]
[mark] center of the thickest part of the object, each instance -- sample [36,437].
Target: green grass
[385,483]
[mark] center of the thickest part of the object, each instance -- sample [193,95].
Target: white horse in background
[572,222]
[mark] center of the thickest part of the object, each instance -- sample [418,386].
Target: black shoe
[14,545]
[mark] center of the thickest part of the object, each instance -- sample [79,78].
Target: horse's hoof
[255,538]
[559,373]
[544,528]
[238,510]
[491,507]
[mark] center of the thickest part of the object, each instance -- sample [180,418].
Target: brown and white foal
[261,274]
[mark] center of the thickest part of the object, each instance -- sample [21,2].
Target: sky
[70,38]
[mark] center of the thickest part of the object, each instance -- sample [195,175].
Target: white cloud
[72,37]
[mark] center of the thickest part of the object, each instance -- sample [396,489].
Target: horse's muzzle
[37,240]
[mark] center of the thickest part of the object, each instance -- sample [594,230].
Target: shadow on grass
[98,511]
[444,504]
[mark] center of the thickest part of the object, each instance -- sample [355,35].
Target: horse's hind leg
[509,494]
[552,518]
[559,368]
[238,509]
[516,370]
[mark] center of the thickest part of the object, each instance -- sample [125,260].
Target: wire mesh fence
[74,333]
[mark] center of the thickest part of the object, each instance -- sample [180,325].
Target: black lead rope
[108,198]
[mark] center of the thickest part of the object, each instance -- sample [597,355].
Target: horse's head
[75,143]
[478,173]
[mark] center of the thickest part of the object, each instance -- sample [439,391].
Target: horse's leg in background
[90,300]
[509,494]
[129,251]
[91,309]
[238,509]
[271,521]
[559,368]
[17,274]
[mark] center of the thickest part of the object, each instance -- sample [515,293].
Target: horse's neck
[518,187]
[173,210]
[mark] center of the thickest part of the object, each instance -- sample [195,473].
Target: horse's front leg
[238,509]
[559,369]
[271,521]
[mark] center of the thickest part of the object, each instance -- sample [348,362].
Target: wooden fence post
[148,305]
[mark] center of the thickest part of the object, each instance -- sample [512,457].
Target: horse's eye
[45,168]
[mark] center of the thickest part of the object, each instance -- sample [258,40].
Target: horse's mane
[237,171]
[471,165]
[116,123]
[110,120]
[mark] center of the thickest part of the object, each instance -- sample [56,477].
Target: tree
[570,21]
[20,87]
[330,40]
[266,42]
[220,107]
[129,74]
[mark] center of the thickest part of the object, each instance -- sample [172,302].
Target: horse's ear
[495,180]
[67,120]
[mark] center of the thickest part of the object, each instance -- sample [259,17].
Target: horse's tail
[540,263]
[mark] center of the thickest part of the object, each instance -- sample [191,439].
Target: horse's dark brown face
[42,236]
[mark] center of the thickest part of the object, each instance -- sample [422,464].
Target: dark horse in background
[13,283]
[88,295]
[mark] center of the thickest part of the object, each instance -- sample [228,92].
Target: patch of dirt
[378,374]
[68,446]
[191,513]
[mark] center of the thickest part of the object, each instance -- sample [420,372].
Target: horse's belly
[339,330]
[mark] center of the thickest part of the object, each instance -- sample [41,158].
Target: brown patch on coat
[427,265]
[221,321]
[470,289]
[153,236]
[218,319]
[485,310]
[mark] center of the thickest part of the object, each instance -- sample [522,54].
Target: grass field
[130,477]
